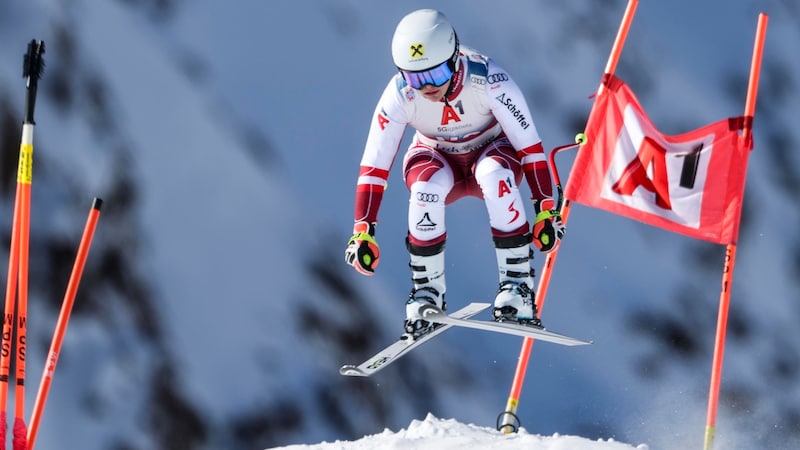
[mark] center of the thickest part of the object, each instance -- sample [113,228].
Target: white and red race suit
[478,142]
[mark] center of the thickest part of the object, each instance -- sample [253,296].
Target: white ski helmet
[423,40]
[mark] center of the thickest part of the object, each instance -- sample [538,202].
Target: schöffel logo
[497,77]
[426,197]
[512,108]
[417,50]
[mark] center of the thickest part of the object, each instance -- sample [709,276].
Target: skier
[474,136]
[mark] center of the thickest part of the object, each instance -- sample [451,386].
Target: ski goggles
[436,76]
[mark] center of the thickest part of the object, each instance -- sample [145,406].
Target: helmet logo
[417,50]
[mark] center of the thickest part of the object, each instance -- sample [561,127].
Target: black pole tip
[97,203]
[33,63]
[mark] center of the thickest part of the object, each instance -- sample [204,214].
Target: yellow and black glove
[548,228]
[362,251]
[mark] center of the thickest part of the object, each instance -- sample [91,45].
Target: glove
[362,251]
[548,228]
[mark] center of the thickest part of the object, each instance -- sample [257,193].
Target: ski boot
[515,299]
[427,270]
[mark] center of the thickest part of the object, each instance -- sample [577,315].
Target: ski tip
[577,342]
[568,340]
[350,370]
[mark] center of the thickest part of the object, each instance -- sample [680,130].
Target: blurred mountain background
[215,308]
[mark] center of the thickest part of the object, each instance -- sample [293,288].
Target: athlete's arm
[383,141]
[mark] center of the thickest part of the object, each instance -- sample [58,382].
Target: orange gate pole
[730,254]
[507,421]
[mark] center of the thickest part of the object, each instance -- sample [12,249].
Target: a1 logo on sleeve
[382,119]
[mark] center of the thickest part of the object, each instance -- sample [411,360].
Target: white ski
[403,345]
[433,314]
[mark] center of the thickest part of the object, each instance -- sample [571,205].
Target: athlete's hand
[362,251]
[548,228]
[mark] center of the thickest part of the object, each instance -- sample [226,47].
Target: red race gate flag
[690,184]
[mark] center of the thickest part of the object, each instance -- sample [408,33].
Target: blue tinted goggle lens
[437,76]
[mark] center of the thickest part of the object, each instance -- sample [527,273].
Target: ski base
[433,314]
[405,344]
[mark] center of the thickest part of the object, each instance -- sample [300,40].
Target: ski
[404,345]
[434,314]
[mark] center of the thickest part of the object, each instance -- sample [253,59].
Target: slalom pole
[619,42]
[730,252]
[8,320]
[33,65]
[63,320]
[20,431]
[507,421]
[32,72]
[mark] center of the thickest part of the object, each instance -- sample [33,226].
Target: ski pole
[580,139]
[63,320]
[507,421]
[17,282]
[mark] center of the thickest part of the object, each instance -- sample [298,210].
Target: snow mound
[448,434]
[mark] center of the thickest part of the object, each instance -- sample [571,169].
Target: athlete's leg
[429,179]
[499,172]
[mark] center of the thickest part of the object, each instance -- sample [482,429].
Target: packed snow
[449,434]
